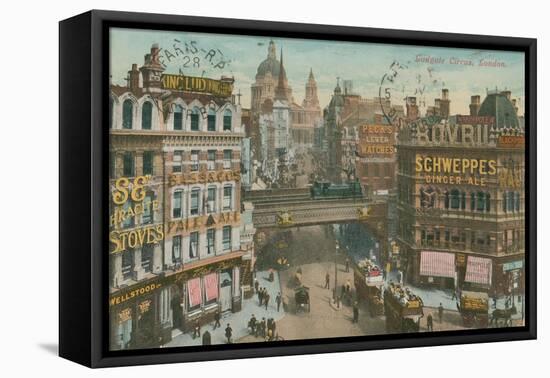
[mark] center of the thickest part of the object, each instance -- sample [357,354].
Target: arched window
[211,120]
[487,202]
[227,120]
[178,117]
[127,114]
[463,200]
[516,201]
[510,201]
[146,115]
[446,199]
[111,104]
[195,119]
[472,201]
[480,201]
[455,199]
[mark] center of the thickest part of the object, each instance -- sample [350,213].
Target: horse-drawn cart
[301,299]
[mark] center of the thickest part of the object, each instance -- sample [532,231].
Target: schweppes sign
[219,88]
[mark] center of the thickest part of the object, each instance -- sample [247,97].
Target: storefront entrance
[225,290]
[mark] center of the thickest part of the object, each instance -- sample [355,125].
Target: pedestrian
[197,329]
[440,312]
[206,338]
[430,323]
[327,281]
[348,286]
[256,285]
[266,299]
[228,333]
[355,312]
[217,319]
[453,296]
[252,324]
[400,277]
[262,327]
[278,300]
[260,296]
[271,275]
[347,264]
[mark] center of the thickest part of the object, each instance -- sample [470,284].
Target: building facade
[460,198]
[177,252]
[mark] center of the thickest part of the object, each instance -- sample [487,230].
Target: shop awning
[437,264]
[194,290]
[211,286]
[479,270]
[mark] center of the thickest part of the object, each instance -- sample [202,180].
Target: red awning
[437,264]
[194,290]
[211,286]
[479,270]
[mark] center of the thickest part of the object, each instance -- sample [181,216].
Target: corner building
[187,144]
[461,199]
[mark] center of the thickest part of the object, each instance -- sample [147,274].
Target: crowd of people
[403,295]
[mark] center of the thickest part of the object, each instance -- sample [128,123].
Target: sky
[424,70]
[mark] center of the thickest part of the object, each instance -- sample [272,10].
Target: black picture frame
[83,198]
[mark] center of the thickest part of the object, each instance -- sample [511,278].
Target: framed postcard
[235,188]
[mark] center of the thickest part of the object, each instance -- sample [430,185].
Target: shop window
[193,245]
[148,162]
[194,202]
[211,160]
[211,200]
[176,249]
[128,166]
[178,117]
[195,113]
[127,264]
[147,257]
[146,115]
[211,120]
[472,201]
[226,238]
[177,201]
[446,194]
[504,201]
[227,116]
[227,197]
[487,202]
[510,202]
[127,114]
[210,241]
[463,200]
[516,201]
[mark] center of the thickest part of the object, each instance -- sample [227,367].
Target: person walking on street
[430,323]
[347,264]
[261,296]
[266,299]
[197,329]
[355,312]
[440,312]
[252,324]
[217,319]
[256,285]
[206,338]
[228,333]
[327,281]
[278,300]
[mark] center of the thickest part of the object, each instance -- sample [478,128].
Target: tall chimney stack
[133,76]
[474,105]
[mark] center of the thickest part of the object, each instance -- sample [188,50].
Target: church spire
[271,52]
[311,100]
[281,90]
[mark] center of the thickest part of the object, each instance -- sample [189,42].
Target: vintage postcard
[269,189]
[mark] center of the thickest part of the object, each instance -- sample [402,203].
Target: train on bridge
[326,189]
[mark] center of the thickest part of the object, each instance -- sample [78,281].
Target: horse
[505,315]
